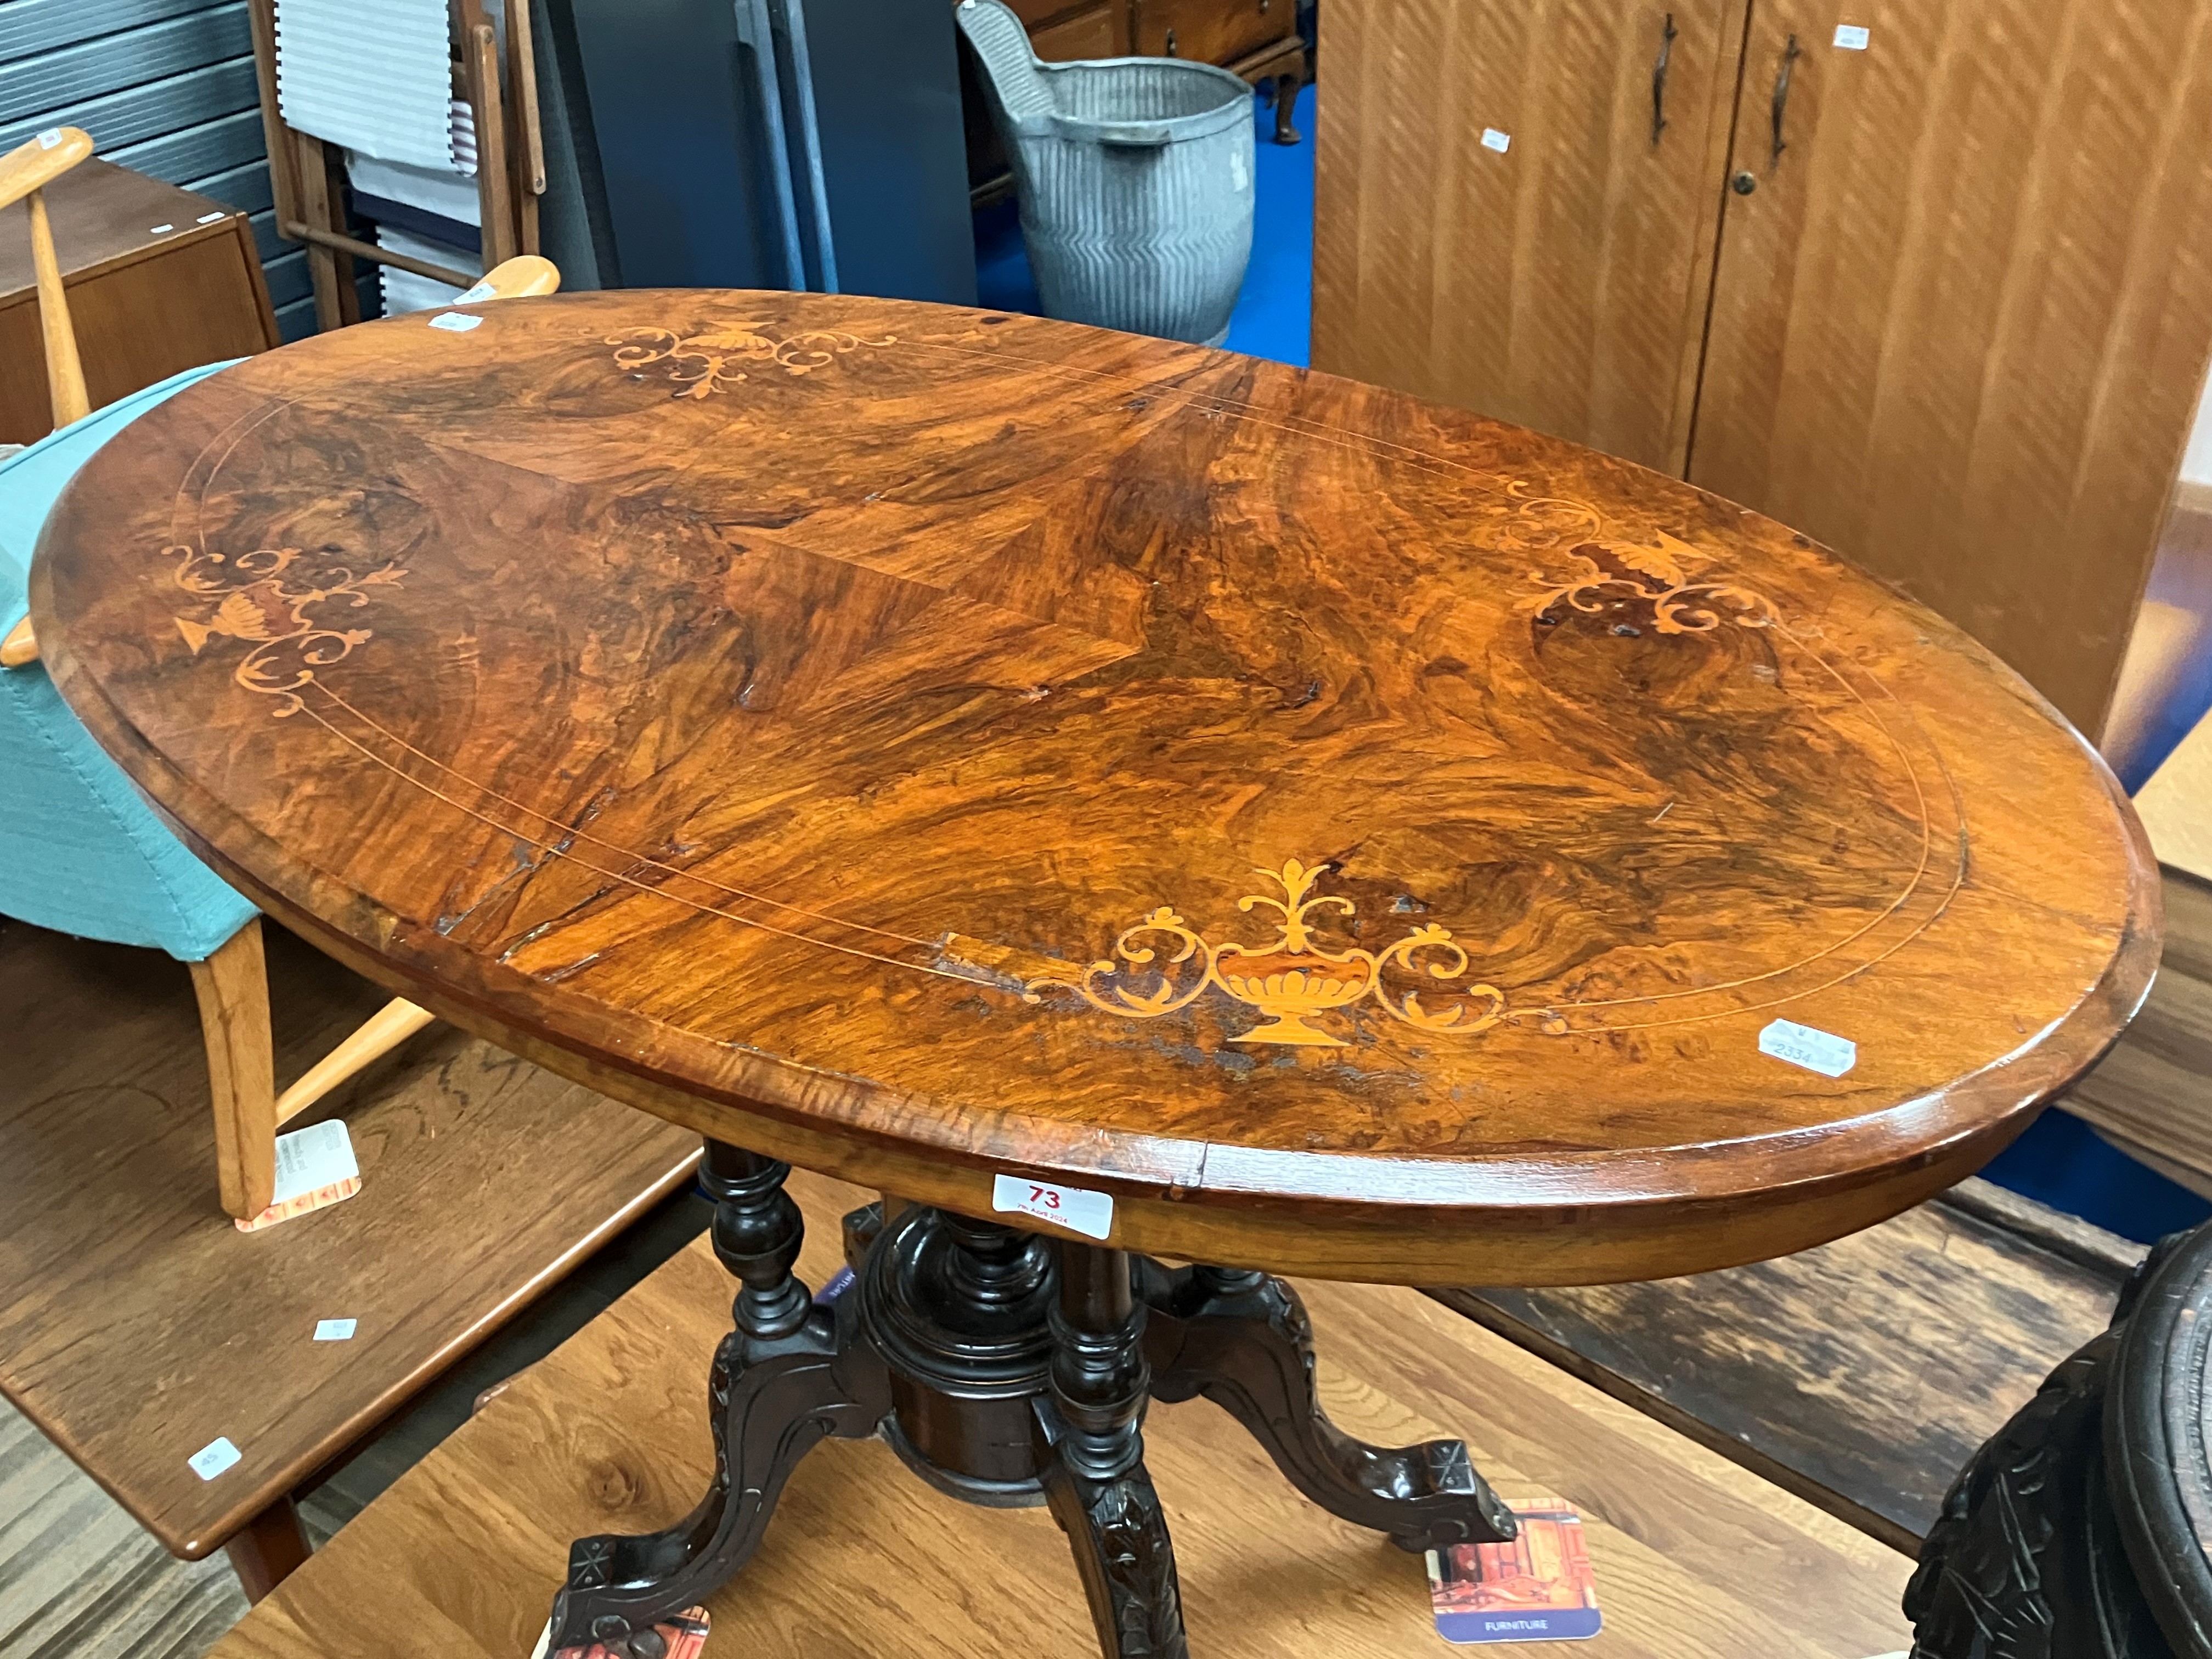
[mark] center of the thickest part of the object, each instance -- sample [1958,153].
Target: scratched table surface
[1357,837]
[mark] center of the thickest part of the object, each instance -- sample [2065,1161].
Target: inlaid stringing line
[553,850]
[586,835]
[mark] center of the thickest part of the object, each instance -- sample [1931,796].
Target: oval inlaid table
[1129,800]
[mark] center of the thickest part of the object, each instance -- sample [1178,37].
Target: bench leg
[269,1547]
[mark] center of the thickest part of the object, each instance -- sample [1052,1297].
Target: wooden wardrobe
[1930,280]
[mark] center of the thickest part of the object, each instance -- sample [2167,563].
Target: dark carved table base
[1005,1368]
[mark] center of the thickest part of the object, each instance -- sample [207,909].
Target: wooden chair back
[25,171]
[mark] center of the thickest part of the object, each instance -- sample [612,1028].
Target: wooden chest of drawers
[159,280]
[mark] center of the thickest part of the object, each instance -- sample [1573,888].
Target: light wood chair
[231,980]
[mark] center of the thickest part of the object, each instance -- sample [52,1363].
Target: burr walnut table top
[1362,838]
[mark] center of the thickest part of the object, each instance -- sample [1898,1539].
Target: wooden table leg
[1242,1338]
[790,1374]
[1095,1478]
[264,1552]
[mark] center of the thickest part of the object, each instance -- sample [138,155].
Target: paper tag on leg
[315,1168]
[1074,1208]
[1539,1588]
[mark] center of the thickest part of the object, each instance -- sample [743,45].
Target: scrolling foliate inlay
[251,601]
[1293,979]
[714,360]
[1656,581]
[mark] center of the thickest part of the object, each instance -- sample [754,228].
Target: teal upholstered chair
[80,851]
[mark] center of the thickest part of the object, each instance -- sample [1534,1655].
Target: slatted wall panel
[163,86]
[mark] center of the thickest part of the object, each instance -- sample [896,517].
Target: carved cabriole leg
[789,1376]
[1242,1340]
[1092,1452]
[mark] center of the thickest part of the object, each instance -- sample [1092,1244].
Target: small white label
[454,322]
[334,1330]
[320,1155]
[159,230]
[1238,176]
[1494,139]
[50,138]
[1816,1051]
[481,291]
[214,1458]
[207,218]
[1089,1214]
[1851,37]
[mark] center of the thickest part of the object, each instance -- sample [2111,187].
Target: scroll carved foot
[789,1375]
[1242,1340]
[1122,1552]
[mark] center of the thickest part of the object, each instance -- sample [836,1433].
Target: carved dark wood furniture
[946,750]
[2080,1530]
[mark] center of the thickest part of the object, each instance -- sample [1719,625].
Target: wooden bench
[1693,1556]
[137,1325]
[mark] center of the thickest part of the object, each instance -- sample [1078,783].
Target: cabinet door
[1561,282]
[1959,323]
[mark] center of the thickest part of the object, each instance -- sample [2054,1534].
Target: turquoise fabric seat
[80,850]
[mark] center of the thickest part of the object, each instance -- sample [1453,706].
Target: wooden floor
[1694,1556]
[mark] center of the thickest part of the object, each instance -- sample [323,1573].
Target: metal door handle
[757,35]
[1789,57]
[1659,79]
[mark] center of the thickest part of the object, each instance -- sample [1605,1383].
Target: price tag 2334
[1089,1214]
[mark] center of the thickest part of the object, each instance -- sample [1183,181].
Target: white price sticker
[1494,139]
[50,138]
[1089,1214]
[160,230]
[1852,36]
[207,218]
[1816,1051]
[320,1155]
[481,291]
[214,1458]
[335,1330]
[454,322]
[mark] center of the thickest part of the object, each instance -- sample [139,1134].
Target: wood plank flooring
[1695,1556]
[1861,1375]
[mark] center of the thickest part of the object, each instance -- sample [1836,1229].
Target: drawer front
[1086,34]
[1212,31]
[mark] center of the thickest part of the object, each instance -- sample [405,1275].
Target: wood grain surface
[136,1323]
[1861,1375]
[1966,435]
[1694,1557]
[1563,282]
[924,744]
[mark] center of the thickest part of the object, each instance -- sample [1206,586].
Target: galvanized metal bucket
[1136,180]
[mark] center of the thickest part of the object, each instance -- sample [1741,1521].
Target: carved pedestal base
[1005,1368]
